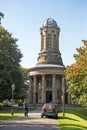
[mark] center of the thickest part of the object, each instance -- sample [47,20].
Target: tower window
[49,40]
[54,38]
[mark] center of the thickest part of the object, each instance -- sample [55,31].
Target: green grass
[4,116]
[74,119]
[5,113]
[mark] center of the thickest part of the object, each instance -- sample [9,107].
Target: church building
[46,79]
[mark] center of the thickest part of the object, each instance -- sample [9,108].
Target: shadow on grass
[61,117]
[79,112]
[4,118]
[72,127]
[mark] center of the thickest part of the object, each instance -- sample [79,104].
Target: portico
[46,84]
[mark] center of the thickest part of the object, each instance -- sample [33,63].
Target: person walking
[26,105]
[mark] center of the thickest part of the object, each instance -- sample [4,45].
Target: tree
[1,16]
[25,83]
[76,76]
[10,57]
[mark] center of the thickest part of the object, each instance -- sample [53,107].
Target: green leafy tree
[76,76]
[10,57]
[25,83]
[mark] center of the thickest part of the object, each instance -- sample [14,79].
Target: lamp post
[63,96]
[63,105]
[13,88]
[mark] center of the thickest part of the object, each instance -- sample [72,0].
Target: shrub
[20,102]
[1,104]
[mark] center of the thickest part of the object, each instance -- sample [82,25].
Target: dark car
[49,110]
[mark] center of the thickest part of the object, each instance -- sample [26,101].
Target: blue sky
[24,18]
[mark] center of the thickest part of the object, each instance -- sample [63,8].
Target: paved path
[33,122]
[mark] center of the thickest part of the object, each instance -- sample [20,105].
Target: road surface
[33,122]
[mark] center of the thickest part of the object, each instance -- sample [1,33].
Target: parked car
[7,103]
[49,110]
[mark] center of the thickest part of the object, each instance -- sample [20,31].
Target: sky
[24,18]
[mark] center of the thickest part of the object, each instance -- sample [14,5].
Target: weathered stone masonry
[46,79]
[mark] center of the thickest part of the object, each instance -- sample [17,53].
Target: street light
[63,105]
[13,88]
[63,96]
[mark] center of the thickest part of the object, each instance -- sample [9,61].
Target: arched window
[54,41]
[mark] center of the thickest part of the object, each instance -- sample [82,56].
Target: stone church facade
[46,79]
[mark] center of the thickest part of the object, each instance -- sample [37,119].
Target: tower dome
[49,22]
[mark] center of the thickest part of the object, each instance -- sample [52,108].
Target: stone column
[34,90]
[39,92]
[45,40]
[30,90]
[57,40]
[43,89]
[52,41]
[53,89]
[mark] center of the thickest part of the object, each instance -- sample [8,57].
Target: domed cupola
[49,22]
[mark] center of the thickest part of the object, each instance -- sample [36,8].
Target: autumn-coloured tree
[76,76]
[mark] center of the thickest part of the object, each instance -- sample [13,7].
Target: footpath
[32,122]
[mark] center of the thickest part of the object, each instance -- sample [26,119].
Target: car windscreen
[48,106]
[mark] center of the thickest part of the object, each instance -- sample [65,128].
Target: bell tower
[49,53]
[46,79]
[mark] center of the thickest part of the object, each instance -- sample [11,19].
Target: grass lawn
[74,119]
[4,116]
[5,113]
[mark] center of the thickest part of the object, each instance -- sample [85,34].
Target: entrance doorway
[48,96]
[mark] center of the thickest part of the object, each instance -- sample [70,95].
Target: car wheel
[56,117]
